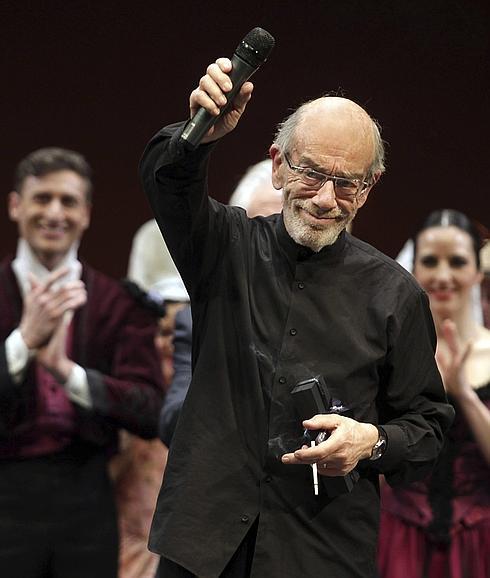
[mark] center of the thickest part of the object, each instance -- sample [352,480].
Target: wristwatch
[380,446]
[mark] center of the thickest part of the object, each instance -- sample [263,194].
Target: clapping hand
[451,361]
[45,319]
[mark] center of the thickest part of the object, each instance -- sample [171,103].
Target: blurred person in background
[152,268]
[440,528]
[480,293]
[255,192]
[149,260]
[77,364]
[485,286]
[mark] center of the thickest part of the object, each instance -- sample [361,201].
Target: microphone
[252,51]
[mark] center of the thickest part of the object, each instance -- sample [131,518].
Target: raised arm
[175,177]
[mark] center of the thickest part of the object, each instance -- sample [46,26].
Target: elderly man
[77,364]
[278,301]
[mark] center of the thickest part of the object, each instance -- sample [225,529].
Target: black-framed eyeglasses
[344,187]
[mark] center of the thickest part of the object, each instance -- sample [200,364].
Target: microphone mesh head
[256,47]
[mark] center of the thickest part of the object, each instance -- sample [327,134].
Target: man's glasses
[344,188]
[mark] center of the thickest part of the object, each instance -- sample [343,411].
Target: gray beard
[312,237]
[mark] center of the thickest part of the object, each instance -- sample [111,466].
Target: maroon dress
[440,528]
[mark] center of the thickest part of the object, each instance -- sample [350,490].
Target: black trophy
[312,397]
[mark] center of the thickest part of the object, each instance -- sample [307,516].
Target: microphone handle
[202,121]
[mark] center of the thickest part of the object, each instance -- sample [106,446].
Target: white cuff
[18,355]
[76,387]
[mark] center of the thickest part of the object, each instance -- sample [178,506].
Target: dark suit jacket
[182,377]
[113,341]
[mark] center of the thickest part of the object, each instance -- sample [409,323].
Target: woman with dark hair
[440,528]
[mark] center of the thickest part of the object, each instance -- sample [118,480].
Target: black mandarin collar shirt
[268,313]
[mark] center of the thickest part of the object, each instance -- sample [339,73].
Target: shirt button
[268,479]
[301,285]
[282,379]
[293,331]
[244,519]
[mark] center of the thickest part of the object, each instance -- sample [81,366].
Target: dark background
[102,77]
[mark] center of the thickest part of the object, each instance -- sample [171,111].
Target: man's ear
[13,204]
[277,168]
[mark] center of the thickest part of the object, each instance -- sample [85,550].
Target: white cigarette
[315,472]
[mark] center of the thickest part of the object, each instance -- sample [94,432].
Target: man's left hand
[349,441]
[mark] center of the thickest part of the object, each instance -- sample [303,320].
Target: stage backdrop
[102,77]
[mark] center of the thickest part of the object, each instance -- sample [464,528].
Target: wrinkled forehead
[337,127]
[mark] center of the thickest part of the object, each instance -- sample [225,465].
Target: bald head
[340,121]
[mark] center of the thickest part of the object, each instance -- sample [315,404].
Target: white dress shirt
[17,353]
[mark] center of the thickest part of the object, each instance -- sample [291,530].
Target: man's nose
[54,209]
[325,196]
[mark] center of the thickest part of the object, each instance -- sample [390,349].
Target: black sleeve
[175,181]
[413,407]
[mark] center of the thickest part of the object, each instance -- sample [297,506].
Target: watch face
[379,447]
